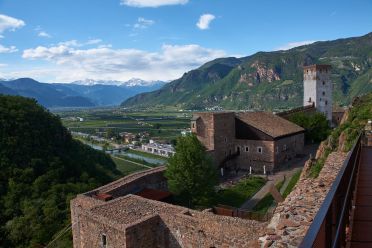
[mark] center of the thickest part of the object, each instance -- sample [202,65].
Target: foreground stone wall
[293,217]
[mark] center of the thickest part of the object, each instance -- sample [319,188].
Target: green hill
[267,80]
[42,168]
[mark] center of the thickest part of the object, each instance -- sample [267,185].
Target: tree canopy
[190,172]
[316,125]
[42,168]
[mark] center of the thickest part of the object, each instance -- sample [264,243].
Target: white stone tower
[318,88]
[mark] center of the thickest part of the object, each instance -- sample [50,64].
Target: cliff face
[268,80]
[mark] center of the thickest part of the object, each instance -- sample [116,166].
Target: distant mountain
[44,93]
[76,95]
[267,80]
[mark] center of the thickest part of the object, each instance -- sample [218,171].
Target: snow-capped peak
[130,83]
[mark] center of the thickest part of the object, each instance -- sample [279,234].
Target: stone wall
[293,217]
[288,147]
[153,178]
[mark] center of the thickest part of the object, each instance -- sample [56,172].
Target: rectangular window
[247,148]
[104,240]
[259,149]
[277,150]
[225,140]
[193,125]
[285,148]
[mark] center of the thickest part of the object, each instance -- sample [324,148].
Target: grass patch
[127,167]
[236,195]
[292,183]
[266,202]
[146,154]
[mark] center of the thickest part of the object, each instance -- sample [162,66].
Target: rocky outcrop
[293,217]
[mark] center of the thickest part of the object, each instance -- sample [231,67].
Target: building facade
[318,88]
[258,141]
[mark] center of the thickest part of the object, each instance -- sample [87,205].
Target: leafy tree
[190,172]
[316,125]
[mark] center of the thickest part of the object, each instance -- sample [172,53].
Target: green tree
[316,126]
[190,172]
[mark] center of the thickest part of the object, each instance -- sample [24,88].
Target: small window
[323,83]
[247,148]
[320,99]
[104,240]
[323,93]
[225,140]
[259,149]
[285,148]
[309,99]
[277,150]
[193,125]
[326,102]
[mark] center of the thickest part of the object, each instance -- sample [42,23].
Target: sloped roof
[269,123]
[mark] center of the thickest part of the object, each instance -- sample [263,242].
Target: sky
[64,41]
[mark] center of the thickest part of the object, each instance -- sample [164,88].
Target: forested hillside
[42,168]
[267,80]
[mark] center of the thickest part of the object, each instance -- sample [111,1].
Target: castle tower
[318,88]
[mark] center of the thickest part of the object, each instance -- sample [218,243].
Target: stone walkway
[272,179]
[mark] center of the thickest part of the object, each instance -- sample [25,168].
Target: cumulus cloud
[11,49]
[204,21]
[294,44]
[151,3]
[143,23]
[10,23]
[44,34]
[105,63]
[75,43]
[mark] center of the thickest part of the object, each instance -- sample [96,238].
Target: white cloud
[151,3]
[11,49]
[170,62]
[10,23]
[44,34]
[75,43]
[294,44]
[143,23]
[204,21]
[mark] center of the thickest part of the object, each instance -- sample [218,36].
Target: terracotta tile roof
[154,194]
[269,123]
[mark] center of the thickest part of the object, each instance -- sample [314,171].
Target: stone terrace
[293,217]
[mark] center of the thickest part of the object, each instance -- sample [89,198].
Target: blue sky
[63,41]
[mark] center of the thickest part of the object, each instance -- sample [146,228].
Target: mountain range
[87,93]
[267,80]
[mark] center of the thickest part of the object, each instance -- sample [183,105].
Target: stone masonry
[129,220]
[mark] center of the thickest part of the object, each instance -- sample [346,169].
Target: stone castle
[262,141]
[133,211]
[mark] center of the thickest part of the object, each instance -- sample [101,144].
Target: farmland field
[163,126]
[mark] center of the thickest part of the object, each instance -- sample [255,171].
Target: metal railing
[330,225]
